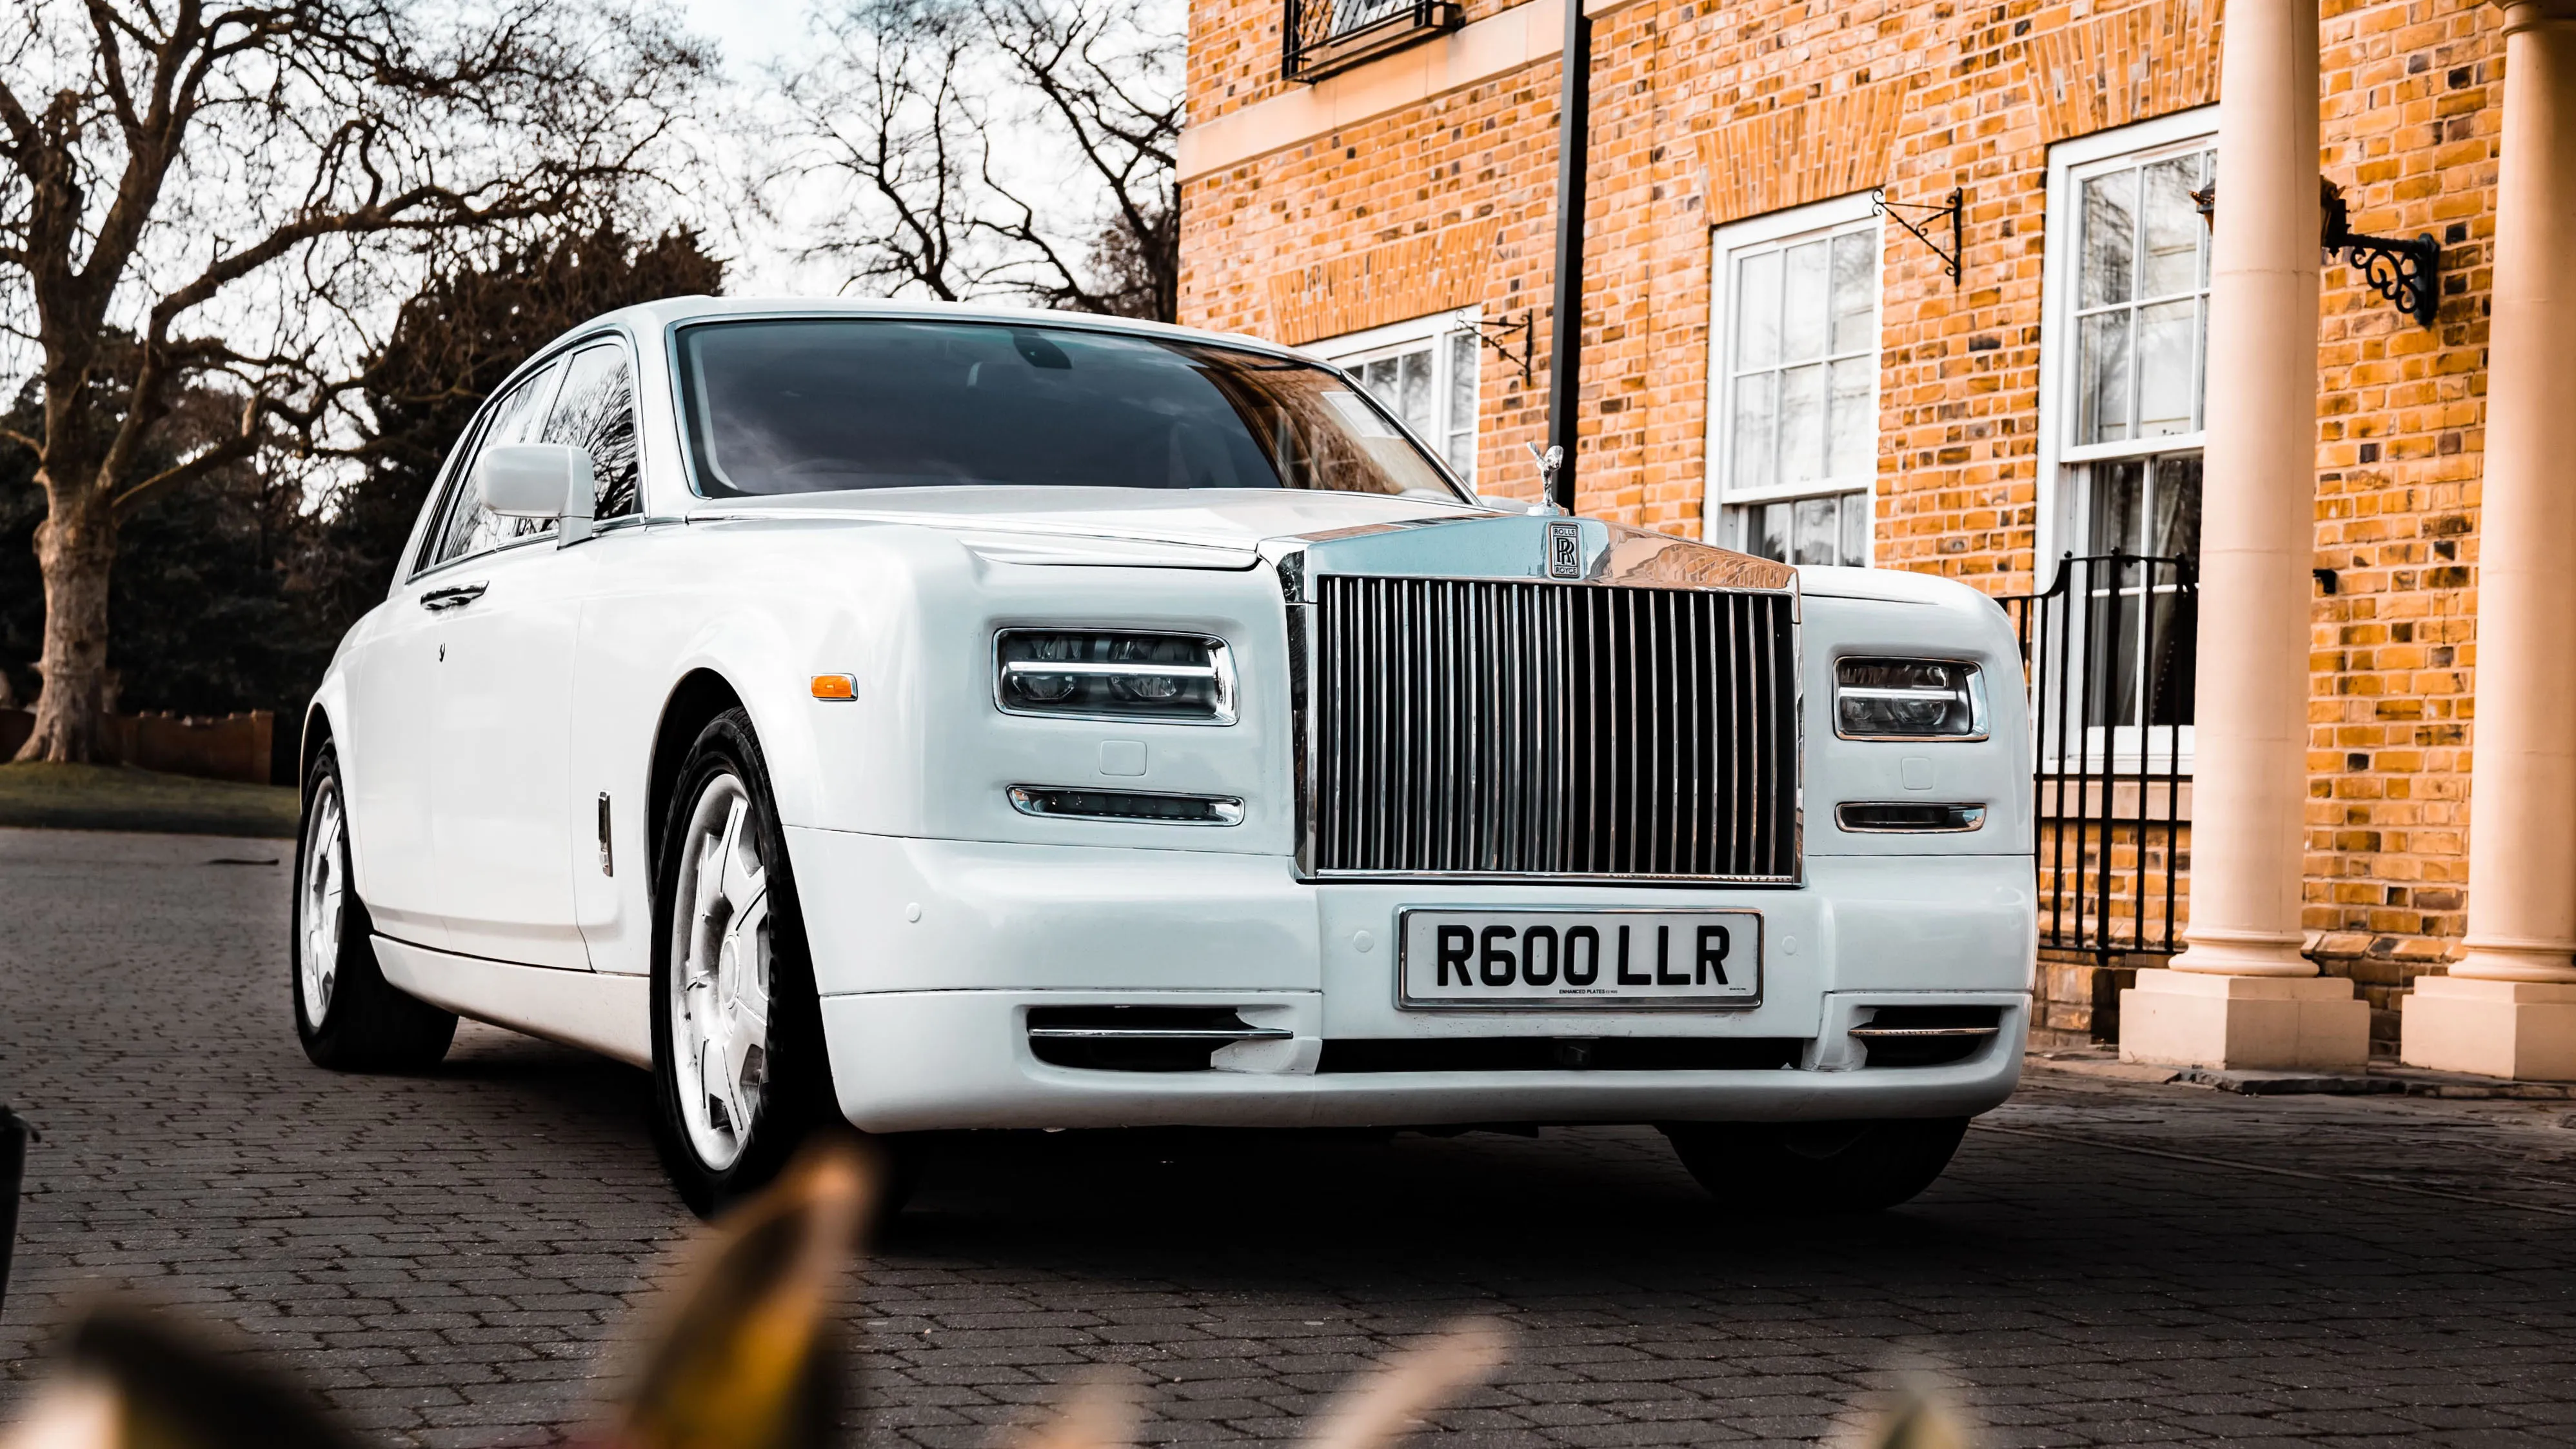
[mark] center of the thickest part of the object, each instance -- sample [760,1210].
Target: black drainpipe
[1565,334]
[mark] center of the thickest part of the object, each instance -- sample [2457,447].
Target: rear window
[814,406]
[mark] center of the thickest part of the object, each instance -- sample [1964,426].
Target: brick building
[1773,362]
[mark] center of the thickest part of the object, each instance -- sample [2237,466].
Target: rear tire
[1780,1169]
[739,1073]
[347,1016]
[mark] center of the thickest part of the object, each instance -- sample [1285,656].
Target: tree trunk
[76,549]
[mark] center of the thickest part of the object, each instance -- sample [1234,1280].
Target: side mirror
[539,480]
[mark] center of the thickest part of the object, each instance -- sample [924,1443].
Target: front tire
[739,1072]
[1779,1169]
[348,1018]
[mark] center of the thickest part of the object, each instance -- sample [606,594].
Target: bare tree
[1105,79]
[1000,148]
[887,111]
[204,198]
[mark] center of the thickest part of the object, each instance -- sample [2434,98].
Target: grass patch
[111,797]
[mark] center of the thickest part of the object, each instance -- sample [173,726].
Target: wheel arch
[699,696]
[317,734]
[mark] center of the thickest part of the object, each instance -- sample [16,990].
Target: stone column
[2241,994]
[2508,1006]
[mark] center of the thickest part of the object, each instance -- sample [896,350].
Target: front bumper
[931,954]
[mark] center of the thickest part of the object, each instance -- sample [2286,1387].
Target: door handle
[455,596]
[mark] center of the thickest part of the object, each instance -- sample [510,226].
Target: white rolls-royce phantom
[935,718]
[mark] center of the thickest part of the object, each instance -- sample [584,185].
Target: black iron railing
[1324,36]
[2109,648]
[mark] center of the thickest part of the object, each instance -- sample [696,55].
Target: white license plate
[1625,958]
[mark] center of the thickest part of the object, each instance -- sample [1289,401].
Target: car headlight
[1909,699]
[1105,674]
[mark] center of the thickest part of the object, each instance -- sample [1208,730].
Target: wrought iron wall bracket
[2408,273]
[1497,334]
[1953,209]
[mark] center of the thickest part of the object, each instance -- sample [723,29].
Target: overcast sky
[749,31]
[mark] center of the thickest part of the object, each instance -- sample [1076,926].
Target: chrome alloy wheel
[322,896]
[719,978]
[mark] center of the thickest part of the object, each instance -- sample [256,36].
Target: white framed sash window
[2124,372]
[1426,370]
[1793,383]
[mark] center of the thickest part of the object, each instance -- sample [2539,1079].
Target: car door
[610,732]
[385,742]
[502,718]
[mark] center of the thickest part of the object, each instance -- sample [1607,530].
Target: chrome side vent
[1502,728]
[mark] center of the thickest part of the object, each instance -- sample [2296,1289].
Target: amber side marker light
[835,687]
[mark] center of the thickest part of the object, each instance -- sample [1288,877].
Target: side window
[466,526]
[596,410]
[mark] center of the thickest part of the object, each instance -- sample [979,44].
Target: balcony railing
[1324,36]
[2108,647]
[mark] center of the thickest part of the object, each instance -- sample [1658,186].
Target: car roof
[676,311]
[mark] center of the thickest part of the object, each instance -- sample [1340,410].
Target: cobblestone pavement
[446,1255]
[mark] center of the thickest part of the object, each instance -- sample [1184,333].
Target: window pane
[1762,530]
[2167,381]
[595,411]
[1751,429]
[2200,355]
[2172,654]
[1804,322]
[1463,362]
[1855,293]
[2110,236]
[2118,497]
[2102,379]
[1802,424]
[1413,385]
[2208,171]
[2174,229]
[1820,533]
[1856,512]
[2175,520]
[1464,358]
[1757,310]
[1378,376]
[1854,422]
[469,527]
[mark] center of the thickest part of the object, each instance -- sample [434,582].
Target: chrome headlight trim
[1975,690]
[1219,670]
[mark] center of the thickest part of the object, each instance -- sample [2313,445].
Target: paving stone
[449,1256]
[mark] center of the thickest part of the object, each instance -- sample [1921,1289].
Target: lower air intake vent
[1563,1054]
[1885,817]
[1066,803]
[1139,1038]
[1927,1036]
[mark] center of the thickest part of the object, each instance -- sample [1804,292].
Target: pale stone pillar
[2508,1007]
[2241,994]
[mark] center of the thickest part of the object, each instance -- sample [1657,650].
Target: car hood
[1209,528]
[1058,525]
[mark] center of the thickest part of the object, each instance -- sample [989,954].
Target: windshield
[812,406]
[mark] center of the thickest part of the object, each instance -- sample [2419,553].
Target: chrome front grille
[1499,728]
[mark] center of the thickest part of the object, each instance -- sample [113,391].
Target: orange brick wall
[2413,91]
